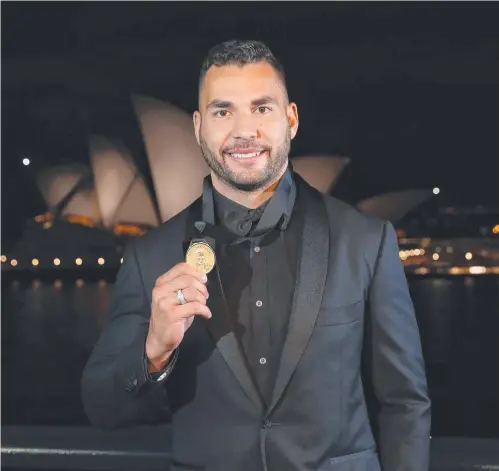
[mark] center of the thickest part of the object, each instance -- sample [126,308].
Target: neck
[249,199]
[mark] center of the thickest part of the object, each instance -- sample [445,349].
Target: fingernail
[204,278]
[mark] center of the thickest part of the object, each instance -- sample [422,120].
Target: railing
[147,448]
[86,448]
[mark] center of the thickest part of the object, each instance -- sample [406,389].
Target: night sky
[409,91]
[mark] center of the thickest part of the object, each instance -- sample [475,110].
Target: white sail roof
[57,182]
[177,164]
[178,169]
[320,171]
[121,191]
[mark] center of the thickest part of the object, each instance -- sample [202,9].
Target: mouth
[247,155]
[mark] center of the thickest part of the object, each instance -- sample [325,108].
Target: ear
[293,121]
[196,117]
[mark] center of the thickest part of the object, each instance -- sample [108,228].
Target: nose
[245,128]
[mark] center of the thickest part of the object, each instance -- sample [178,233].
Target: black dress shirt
[257,272]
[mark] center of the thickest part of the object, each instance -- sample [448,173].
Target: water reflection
[49,329]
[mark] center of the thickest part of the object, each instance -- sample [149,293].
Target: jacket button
[267,424]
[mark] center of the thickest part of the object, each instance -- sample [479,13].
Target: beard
[248,181]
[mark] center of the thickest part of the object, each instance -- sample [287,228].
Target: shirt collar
[274,213]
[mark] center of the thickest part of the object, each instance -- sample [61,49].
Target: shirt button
[263,361]
[259,303]
[257,249]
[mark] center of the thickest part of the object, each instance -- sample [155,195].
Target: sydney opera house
[91,210]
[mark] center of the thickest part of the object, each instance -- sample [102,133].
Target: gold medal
[201,256]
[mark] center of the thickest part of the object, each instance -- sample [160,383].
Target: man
[271,360]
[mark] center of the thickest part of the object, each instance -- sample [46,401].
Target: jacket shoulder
[342,216]
[357,232]
[351,218]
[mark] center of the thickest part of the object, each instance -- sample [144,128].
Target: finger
[191,309]
[179,269]
[186,281]
[191,294]
[167,303]
[170,289]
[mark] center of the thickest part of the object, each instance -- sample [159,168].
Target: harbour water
[50,325]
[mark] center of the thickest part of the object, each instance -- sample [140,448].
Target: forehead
[240,84]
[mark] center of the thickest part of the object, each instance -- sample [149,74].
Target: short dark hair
[240,52]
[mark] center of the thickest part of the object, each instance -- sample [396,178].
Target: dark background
[407,90]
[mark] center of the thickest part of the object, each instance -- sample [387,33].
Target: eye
[221,113]
[263,109]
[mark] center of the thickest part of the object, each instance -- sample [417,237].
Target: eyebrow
[219,104]
[264,100]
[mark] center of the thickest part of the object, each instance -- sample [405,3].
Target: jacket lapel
[309,286]
[220,325]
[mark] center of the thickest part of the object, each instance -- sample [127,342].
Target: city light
[3,258]
[101,261]
[469,256]
[436,191]
[495,230]
[478,270]
[57,262]
[436,256]
[26,162]
[13,262]
[78,261]
[35,262]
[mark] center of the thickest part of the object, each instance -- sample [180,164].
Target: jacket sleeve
[395,366]
[116,389]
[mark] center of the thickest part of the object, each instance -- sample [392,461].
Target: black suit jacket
[352,336]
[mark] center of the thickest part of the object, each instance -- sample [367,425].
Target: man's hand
[169,318]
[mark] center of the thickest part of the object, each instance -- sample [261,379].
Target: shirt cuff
[159,376]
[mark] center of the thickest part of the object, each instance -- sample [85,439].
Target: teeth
[242,156]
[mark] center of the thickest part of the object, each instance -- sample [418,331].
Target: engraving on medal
[201,256]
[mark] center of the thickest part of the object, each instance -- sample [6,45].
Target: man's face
[244,124]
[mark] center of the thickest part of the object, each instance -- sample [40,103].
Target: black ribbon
[277,213]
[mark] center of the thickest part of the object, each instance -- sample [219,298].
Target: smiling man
[272,325]
[245,125]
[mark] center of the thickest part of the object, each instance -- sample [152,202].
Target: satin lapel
[309,287]
[220,325]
